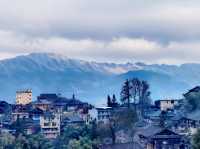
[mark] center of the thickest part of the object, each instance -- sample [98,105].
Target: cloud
[132,30]
[165,21]
[120,49]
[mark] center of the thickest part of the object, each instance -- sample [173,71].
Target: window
[46,124]
[53,123]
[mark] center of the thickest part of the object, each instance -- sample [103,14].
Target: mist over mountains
[90,81]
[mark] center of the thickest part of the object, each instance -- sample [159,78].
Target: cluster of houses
[163,126]
[48,115]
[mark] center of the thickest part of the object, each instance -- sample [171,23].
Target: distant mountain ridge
[91,81]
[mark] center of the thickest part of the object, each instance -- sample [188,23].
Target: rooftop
[157,132]
[194,115]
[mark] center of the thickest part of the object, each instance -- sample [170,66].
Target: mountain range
[90,81]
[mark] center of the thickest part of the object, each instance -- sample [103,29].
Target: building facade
[104,114]
[50,125]
[23,97]
[166,104]
[163,139]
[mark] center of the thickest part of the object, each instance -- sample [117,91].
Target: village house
[193,90]
[155,137]
[72,119]
[35,114]
[92,115]
[104,114]
[166,104]
[50,125]
[23,97]
[44,105]
[74,104]
[188,124]
[20,112]
[45,101]
[30,126]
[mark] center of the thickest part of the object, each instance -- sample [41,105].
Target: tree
[21,142]
[196,140]
[144,97]
[135,90]
[122,119]
[109,102]
[125,92]
[6,141]
[74,136]
[19,126]
[114,100]
[138,91]
[37,141]
[82,143]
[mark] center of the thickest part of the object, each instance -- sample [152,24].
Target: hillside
[91,81]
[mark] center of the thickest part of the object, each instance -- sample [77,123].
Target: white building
[166,104]
[104,114]
[24,97]
[50,125]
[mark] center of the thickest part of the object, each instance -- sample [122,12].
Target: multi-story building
[44,105]
[24,97]
[166,104]
[104,114]
[50,125]
[20,112]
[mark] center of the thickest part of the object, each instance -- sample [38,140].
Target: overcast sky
[152,31]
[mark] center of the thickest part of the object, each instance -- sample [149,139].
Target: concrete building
[24,97]
[50,125]
[20,112]
[166,104]
[104,114]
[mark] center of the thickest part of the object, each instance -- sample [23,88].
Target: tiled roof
[149,131]
[194,115]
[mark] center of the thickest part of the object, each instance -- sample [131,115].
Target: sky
[151,31]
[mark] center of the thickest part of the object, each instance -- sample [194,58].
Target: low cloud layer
[120,49]
[132,30]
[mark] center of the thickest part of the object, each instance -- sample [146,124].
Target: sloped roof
[194,115]
[156,131]
[195,89]
[149,131]
[36,111]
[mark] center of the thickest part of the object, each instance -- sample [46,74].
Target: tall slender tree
[138,91]
[125,92]
[109,102]
[135,90]
[114,100]
[144,100]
